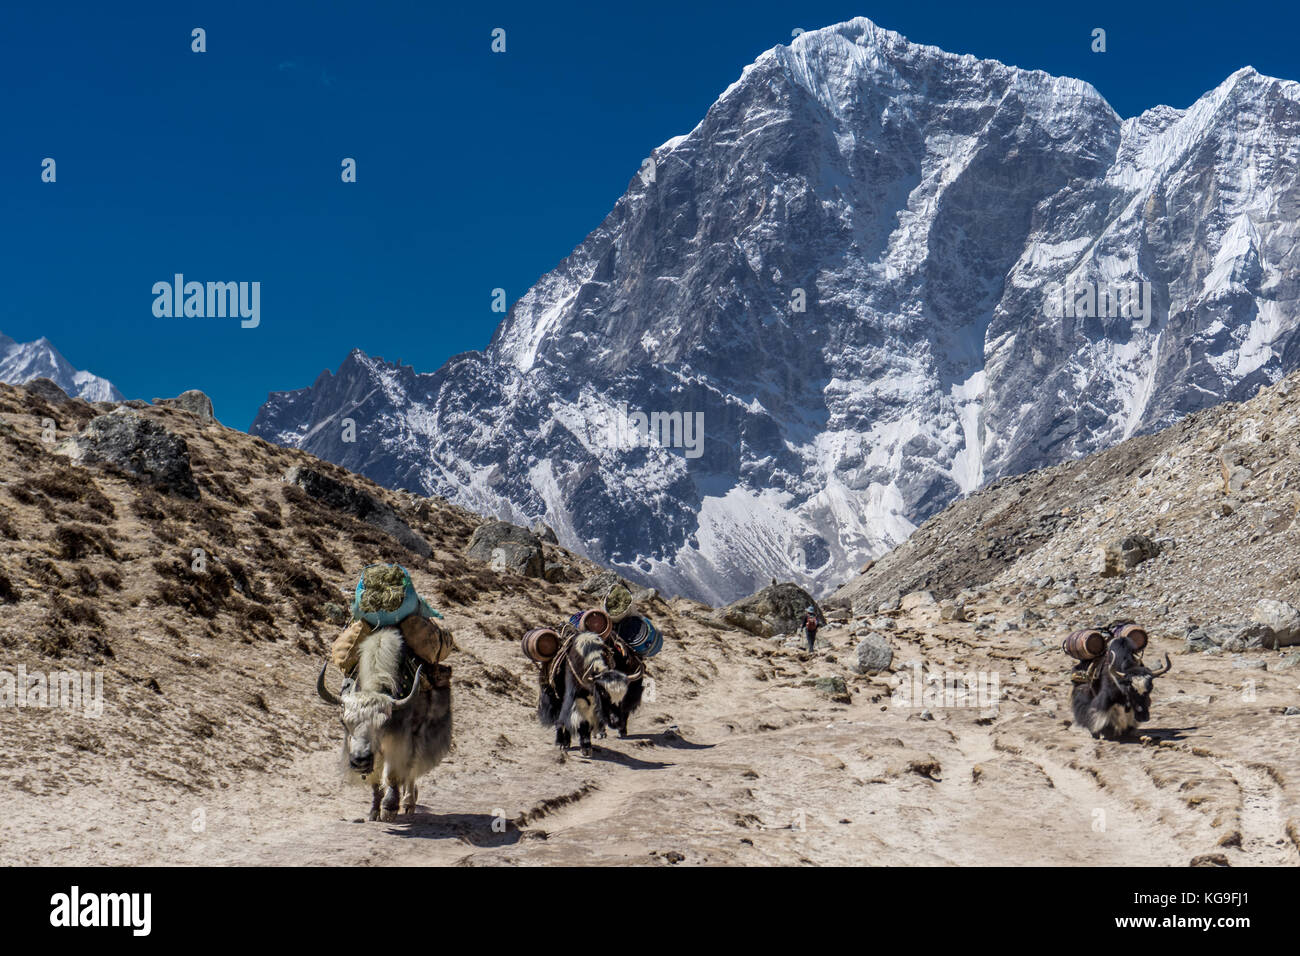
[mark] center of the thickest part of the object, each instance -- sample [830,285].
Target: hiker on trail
[810,625]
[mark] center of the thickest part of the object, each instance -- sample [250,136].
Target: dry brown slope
[211,718]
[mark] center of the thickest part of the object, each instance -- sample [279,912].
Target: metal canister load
[640,635]
[1136,635]
[594,620]
[541,644]
[1085,645]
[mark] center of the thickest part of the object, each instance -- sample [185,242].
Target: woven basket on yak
[385,594]
[618,603]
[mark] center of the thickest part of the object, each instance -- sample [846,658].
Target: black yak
[583,690]
[1117,697]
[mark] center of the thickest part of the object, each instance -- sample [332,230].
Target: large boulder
[1281,619]
[192,401]
[128,440]
[874,654]
[777,609]
[508,547]
[344,497]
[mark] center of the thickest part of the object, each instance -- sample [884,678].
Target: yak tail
[548,706]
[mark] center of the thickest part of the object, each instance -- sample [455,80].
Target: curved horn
[1163,670]
[1116,675]
[324,691]
[415,689]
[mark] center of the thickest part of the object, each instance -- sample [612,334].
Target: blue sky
[475,170]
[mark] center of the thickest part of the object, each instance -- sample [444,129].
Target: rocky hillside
[1196,527]
[213,748]
[880,274]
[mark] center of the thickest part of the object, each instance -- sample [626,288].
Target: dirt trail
[738,761]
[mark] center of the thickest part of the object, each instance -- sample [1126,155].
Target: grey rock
[1063,598]
[1137,548]
[874,654]
[556,573]
[545,533]
[335,613]
[507,547]
[952,611]
[344,497]
[128,440]
[776,609]
[1281,618]
[600,584]
[833,687]
[193,401]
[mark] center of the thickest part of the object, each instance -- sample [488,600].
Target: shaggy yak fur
[588,687]
[389,743]
[1118,696]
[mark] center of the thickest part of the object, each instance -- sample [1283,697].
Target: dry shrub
[72,487]
[73,542]
[199,593]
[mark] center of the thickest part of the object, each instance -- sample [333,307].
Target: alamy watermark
[1094,300]
[212,300]
[58,690]
[941,688]
[623,429]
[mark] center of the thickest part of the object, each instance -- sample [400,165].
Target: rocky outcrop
[344,497]
[1281,619]
[128,440]
[46,389]
[193,401]
[508,547]
[776,609]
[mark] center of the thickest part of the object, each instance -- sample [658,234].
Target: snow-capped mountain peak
[879,274]
[22,362]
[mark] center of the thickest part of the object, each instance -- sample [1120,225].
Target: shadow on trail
[1156,734]
[475,829]
[617,756]
[666,738]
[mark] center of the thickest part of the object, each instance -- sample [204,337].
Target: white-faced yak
[390,741]
[583,690]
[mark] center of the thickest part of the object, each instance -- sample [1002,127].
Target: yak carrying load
[396,696]
[592,669]
[1112,685]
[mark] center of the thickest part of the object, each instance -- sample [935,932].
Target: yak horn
[1163,670]
[324,691]
[415,689]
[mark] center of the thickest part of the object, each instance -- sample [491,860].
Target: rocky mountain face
[874,277]
[23,362]
[1194,530]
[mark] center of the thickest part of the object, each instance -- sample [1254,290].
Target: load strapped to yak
[385,596]
[614,621]
[1088,646]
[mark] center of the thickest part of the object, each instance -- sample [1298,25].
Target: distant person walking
[810,625]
